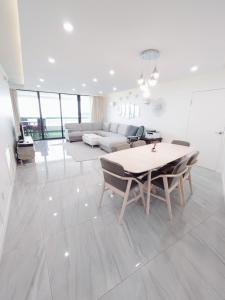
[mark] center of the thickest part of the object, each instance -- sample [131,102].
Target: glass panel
[29,113]
[86,107]
[69,109]
[51,118]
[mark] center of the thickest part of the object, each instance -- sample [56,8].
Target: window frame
[77,98]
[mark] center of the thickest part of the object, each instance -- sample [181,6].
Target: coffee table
[91,139]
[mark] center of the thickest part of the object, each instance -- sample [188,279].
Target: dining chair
[138,143]
[187,175]
[120,146]
[168,182]
[182,143]
[121,183]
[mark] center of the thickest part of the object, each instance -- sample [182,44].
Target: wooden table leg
[148,193]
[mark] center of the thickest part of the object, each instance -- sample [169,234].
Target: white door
[207,126]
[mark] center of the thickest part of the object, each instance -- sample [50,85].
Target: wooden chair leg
[181,191]
[102,194]
[148,192]
[167,194]
[190,182]
[142,194]
[126,196]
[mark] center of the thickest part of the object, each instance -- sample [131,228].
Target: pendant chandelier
[146,82]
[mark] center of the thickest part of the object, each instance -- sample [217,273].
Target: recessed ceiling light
[95,79]
[55,214]
[73,90]
[41,80]
[194,68]
[86,205]
[38,85]
[111,72]
[100,92]
[68,27]
[50,198]
[66,254]
[51,60]
[84,85]
[114,88]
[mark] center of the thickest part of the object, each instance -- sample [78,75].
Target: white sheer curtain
[13,94]
[97,113]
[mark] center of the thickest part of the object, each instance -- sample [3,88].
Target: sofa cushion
[105,126]
[88,132]
[131,130]
[106,133]
[97,126]
[73,126]
[75,133]
[122,129]
[87,126]
[113,127]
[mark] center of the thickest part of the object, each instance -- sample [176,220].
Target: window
[51,115]
[44,115]
[69,108]
[86,107]
[29,113]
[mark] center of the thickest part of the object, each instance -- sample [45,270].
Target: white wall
[175,97]
[7,160]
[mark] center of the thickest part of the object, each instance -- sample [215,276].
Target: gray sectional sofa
[109,133]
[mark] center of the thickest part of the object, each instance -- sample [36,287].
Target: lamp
[147,82]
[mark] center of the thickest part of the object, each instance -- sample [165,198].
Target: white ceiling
[110,34]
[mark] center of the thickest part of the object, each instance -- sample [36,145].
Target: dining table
[149,158]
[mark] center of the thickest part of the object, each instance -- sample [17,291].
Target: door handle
[220,132]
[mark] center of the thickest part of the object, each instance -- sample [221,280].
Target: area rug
[81,151]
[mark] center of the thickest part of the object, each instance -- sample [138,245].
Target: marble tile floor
[60,246]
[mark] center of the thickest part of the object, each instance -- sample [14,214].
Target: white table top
[142,159]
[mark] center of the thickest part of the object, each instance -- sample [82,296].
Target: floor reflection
[51,150]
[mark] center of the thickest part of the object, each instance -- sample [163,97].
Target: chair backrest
[180,167]
[120,146]
[138,143]
[140,132]
[193,159]
[116,169]
[182,143]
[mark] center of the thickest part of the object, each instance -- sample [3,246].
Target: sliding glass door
[51,115]
[69,106]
